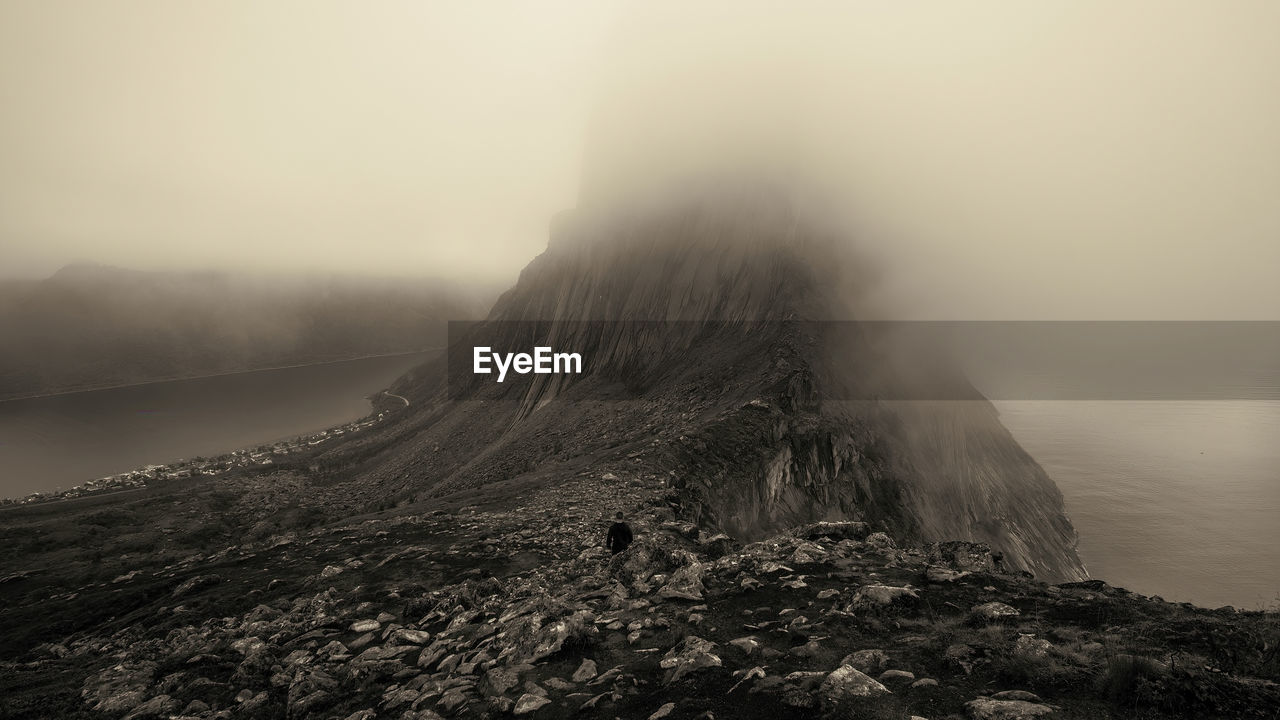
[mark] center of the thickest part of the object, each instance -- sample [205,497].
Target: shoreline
[159,381]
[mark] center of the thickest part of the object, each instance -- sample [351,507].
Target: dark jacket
[619,537]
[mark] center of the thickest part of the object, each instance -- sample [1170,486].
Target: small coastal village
[259,456]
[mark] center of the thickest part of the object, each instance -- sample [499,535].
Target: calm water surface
[1172,498]
[61,441]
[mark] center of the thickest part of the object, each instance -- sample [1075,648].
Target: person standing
[619,536]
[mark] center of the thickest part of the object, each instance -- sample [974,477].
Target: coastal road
[402,398]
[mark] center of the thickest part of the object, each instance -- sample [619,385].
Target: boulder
[551,639]
[808,552]
[585,671]
[411,637]
[501,679]
[903,676]
[847,682]
[248,646]
[528,703]
[693,654]
[1022,695]
[884,595]
[985,708]
[685,584]
[968,557]
[993,612]
[748,644]
[716,546]
[880,541]
[1030,647]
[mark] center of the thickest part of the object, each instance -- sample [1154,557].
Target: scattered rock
[1017,695]
[529,703]
[985,708]
[585,671]
[412,637]
[993,612]
[903,676]
[847,682]
[1030,647]
[692,654]
[883,595]
[685,584]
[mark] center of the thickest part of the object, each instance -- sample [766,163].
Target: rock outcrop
[709,331]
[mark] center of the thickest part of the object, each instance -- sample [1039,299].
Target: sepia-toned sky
[998,159]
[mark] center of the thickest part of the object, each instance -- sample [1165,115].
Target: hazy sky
[1009,159]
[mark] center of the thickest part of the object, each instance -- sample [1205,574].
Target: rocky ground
[510,607]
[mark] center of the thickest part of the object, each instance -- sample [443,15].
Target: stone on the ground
[880,541]
[693,654]
[662,711]
[585,671]
[847,682]
[884,594]
[501,679]
[413,637]
[685,584]
[993,612]
[1030,647]
[985,708]
[1017,695]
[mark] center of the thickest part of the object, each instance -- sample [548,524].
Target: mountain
[91,326]
[717,337]
[803,505]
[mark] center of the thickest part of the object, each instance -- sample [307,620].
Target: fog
[998,160]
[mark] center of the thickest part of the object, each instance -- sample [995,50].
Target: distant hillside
[92,326]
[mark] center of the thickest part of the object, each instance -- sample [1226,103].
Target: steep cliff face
[695,322]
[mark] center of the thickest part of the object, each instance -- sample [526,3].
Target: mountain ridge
[698,319]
